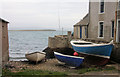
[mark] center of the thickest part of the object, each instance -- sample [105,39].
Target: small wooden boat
[73,61]
[35,56]
[89,48]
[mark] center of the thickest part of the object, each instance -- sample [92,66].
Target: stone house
[81,28]
[4,44]
[100,22]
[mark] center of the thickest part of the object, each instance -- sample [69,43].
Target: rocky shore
[51,64]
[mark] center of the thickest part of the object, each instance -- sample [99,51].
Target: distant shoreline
[32,30]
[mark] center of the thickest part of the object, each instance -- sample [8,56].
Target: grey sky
[43,14]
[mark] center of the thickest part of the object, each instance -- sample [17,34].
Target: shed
[4,44]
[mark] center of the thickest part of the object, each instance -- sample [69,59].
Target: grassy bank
[96,69]
[29,72]
[52,68]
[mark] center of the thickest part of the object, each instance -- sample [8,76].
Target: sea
[21,42]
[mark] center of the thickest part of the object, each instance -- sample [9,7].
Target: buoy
[75,54]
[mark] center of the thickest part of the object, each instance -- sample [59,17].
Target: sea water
[21,42]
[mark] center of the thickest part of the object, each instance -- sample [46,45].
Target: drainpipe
[117,32]
[115,26]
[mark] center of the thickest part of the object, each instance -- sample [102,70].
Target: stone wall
[95,17]
[5,45]
[115,55]
[96,40]
[76,32]
[57,42]
[0,45]
[60,41]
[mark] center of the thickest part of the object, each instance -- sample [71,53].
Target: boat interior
[82,43]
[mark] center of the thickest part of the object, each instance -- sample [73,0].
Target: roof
[4,20]
[84,21]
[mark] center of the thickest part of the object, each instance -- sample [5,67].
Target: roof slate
[84,21]
[4,20]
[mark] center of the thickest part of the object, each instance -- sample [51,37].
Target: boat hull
[101,51]
[94,60]
[35,56]
[69,60]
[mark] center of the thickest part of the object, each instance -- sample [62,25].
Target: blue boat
[73,61]
[89,48]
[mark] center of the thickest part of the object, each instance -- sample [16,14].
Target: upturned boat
[89,48]
[35,56]
[73,61]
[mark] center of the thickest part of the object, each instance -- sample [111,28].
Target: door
[80,31]
[119,30]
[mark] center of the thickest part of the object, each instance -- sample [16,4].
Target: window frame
[100,7]
[112,34]
[99,29]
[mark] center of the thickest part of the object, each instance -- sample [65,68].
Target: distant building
[100,22]
[81,28]
[4,44]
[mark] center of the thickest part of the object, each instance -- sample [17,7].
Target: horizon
[41,29]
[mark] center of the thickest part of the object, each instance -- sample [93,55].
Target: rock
[9,66]
[50,51]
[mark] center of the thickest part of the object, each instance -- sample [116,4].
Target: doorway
[80,32]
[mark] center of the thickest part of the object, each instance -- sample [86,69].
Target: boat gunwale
[68,55]
[35,52]
[88,45]
[37,59]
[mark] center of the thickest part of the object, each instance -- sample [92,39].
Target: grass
[84,70]
[0,70]
[29,72]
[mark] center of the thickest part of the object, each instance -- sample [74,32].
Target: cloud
[30,14]
[45,1]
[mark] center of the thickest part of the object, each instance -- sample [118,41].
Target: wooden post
[115,26]
[69,38]
[115,22]
[117,29]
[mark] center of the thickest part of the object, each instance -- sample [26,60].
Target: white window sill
[100,37]
[102,13]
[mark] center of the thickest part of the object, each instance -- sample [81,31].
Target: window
[112,28]
[101,6]
[85,32]
[119,30]
[101,29]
